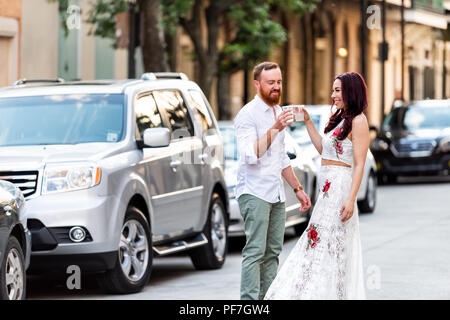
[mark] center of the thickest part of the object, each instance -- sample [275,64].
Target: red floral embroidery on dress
[336,143]
[313,237]
[325,189]
[336,132]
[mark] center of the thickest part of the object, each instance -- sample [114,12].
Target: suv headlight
[444,144]
[70,177]
[379,145]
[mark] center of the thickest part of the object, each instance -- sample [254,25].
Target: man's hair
[264,66]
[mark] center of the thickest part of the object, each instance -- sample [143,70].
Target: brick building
[10,31]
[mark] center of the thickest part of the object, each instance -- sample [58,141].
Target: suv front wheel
[212,255]
[134,258]
[12,272]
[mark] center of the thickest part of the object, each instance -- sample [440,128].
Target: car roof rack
[164,75]
[25,81]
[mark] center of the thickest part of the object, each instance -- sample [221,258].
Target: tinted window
[177,114]
[394,120]
[427,118]
[61,119]
[147,114]
[417,117]
[202,114]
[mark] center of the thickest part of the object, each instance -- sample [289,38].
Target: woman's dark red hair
[354,96]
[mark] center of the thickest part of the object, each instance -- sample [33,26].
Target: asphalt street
[405,245]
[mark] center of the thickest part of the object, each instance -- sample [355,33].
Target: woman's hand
[306,115]
[347,210]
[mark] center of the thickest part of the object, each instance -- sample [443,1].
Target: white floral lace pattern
[332,267]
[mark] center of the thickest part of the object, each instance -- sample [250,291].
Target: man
[263,161]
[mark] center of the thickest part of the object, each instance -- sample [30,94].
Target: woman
[326,262]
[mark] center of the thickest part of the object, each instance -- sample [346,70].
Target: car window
[62,119]
[202,115]
[229,143]
[177,114]
[147,114]
[394,119]
[427,118]
[298,129]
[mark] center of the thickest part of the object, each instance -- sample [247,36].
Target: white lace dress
[326,262]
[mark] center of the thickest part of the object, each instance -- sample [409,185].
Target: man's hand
[284,119]
[304,200]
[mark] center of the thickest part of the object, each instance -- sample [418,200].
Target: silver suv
[115,173]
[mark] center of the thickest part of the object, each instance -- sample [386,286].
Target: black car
[15,242]
[414,139]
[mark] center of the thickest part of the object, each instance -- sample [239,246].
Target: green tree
[249,36]
[250,33]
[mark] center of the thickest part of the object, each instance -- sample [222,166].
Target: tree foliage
[255,32]
[102,16]
[250,31]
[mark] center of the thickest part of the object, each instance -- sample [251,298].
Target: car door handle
[175,163]
[203,156]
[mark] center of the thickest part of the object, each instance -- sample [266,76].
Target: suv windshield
[416,117]
[61,119]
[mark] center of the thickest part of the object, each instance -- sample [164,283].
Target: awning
[426,18]
[407,3]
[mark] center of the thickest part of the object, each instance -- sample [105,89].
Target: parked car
[303,168]
[115,173]
[320,115]
[414,139]
[15,243]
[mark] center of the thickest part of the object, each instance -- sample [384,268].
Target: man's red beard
[272,99]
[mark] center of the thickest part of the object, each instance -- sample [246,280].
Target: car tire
[12,272]
[213,254]
[387,179]
[391,178]
[134,257]
[367,205]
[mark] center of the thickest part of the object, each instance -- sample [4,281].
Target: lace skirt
[326,262]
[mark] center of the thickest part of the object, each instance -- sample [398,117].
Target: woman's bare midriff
[326,162]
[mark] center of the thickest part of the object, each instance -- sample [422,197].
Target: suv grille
[26,181]
[410,147]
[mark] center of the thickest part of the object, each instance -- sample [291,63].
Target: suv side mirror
[156,137]
[291,155]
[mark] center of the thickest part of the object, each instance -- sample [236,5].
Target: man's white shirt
[260,177]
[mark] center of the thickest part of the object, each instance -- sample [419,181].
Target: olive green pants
[264,231]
